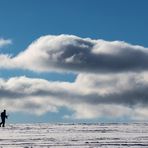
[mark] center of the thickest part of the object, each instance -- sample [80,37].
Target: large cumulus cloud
[72,53]
[90,96]
[111,81]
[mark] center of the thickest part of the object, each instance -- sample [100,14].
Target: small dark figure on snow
[3,117]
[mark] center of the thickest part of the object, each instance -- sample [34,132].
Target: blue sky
[25,21]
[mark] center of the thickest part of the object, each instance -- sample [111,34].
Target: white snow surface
[100,135]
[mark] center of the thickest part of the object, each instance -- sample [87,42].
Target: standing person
[3,117]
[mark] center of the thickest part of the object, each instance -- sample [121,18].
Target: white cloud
[112,78]
[5,42]
[64,53]
[90,96]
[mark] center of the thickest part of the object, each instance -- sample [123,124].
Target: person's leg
[3,123]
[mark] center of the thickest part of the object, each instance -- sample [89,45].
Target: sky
[74,60]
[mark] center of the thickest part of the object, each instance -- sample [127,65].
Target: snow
[104,135]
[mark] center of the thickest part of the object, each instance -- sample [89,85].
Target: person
[3,117]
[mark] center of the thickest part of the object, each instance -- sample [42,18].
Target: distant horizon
[83,123]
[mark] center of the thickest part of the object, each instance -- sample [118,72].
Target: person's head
[4,110]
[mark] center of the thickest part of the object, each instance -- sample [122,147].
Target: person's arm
[6,116]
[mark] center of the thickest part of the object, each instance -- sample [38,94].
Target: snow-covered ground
[74,135]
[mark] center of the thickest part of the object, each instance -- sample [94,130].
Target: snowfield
[104,135]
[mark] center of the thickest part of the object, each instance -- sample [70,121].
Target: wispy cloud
[5,42]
